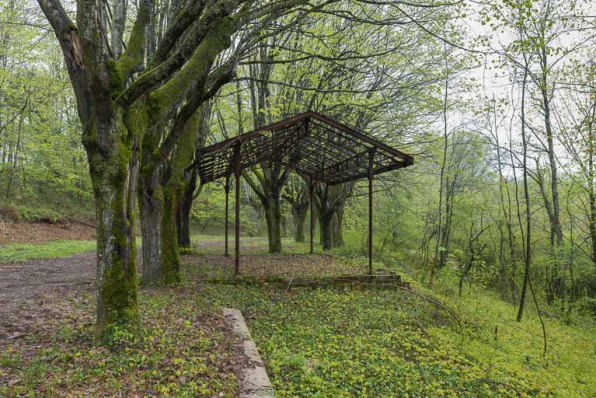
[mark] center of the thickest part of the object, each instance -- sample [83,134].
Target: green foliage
[10,359]
[43,163]
[40,214]
[384,343]
[586,306]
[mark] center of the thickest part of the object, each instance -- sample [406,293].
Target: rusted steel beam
[361,136]
[371,174]
[272,127]
[310,143]
[237,227]
[351,163]
[311,190]
[227,189]
[361,176]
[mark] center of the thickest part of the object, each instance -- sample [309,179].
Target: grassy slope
[569,368]
[331,343]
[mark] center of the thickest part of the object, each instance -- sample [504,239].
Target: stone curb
[253,382]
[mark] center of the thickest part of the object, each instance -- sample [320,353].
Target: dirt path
[34,292]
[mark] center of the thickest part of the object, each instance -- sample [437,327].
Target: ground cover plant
[185,350]
[328,342]
[207,261]
[314,342]
[384,343]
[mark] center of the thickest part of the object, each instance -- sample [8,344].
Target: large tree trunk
[151,209]
[327,231]
[114,175]
[272,206]
[338,219]
[163,190]
[299,216]
[169,238]
[329,200]
[184,180]
[111,134]
[161,264]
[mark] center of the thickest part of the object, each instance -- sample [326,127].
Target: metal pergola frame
[315,146]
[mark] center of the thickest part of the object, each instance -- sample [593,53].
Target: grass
[15,252]
[56,249]
[493,335]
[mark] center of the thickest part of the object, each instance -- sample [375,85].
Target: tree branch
[70,43]
[208,23]
[132,58]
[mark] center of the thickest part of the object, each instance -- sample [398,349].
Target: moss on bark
[112,172]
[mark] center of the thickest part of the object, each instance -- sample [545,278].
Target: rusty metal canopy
[313,145]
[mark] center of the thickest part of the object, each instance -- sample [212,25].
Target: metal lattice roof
[313,145]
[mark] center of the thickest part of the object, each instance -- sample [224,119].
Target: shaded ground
[325,342]
[34,292]
[47,345]
[47,342]
[41,232]
[286,265]
[31,292]
[210,263]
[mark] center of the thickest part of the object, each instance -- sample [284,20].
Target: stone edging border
[253,381]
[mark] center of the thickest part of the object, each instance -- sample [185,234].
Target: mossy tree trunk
[113,173]
[161,261]
[195,135]
[299,217]
[150,209]
[165,184]
[111,139]
[327,231]
[271,179]
[169,238]
[120,100]
[176,184]
[338,218]
[273,217]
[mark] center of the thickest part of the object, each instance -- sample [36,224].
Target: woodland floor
[320,342]
[47,343]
